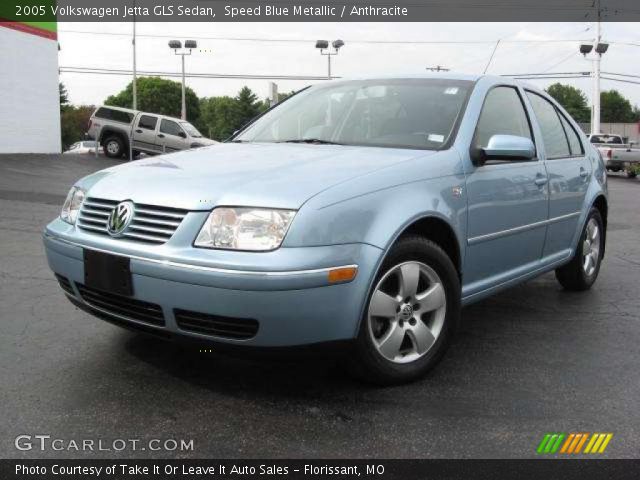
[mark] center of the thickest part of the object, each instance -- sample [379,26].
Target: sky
[288,49]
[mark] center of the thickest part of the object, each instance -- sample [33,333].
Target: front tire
[581,272]
[411,316]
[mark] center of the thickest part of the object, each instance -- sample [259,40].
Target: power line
[124,72]
[302,40]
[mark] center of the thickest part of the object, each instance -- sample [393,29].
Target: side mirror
[508,148]
[182,134]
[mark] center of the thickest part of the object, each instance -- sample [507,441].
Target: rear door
[171,136]
[569,172]
[144,133]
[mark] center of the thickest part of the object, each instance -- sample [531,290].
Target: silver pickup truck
[617,154]
[152,134]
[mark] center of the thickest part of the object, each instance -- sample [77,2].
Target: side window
[148,122]
[117,115]
[555,141]
[574,141]
[170,128]
[502,114]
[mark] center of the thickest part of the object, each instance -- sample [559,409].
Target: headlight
[245,228]
[72,205]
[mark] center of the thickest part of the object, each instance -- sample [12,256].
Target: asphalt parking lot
[532,360]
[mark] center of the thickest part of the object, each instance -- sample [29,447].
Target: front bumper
[294,305]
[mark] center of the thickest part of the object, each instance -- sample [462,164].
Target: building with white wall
[29,95]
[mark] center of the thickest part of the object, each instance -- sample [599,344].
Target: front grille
[65,284]
[150,224]
[123,306]
[236,328]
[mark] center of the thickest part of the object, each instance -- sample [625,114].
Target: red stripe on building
[30,29]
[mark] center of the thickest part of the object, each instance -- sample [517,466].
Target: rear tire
[411,314]
[113,147]
[581,272]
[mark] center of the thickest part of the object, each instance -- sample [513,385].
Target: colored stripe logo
[573,443]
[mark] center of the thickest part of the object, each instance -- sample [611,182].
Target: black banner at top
[319,11]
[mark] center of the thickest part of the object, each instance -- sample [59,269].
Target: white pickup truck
[114,127]
[617,154]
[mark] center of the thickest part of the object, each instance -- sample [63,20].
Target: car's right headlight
[245,228]
[72,205]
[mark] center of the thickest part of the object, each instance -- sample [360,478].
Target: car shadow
[485,326]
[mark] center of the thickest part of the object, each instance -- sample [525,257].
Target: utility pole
[595,101]
[598,49]
[135,76]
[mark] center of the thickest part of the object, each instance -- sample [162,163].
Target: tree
[573,100]
[158,95]
[64,96]
[247,106]
[218,117]
[221,116]
[614,108]
[73,123]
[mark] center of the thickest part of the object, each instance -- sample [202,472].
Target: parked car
[618,155]
[87,146]
[364,212]
[152,134]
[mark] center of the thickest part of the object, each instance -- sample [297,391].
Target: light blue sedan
[365,212]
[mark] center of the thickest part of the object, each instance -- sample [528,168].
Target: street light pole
[183,111]
[189,45]
[323,46]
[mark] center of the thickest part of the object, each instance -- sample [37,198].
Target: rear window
[115,115]
[606,139]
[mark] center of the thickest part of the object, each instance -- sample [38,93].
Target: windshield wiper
[315,141]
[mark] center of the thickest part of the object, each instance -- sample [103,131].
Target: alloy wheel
[591,247]
[407,311]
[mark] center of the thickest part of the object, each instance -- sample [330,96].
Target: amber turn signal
[342,274]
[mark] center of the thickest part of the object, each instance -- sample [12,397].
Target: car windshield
[402,113]
[191,130]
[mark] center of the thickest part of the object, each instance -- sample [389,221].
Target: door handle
[160,135]
[583,172]
[138,131]
[541,180]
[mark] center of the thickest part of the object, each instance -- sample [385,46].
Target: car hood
[267,175]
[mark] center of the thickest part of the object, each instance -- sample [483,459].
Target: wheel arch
[431,226]
[110,131]
[601,203]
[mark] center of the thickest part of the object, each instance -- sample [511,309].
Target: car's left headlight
[245,228]
[72,205]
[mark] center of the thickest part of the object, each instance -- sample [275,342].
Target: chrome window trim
[202,267]
[522,228]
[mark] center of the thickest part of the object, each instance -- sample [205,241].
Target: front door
[507,200]
[171,136]
[569,171]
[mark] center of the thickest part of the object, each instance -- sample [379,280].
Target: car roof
[454,76]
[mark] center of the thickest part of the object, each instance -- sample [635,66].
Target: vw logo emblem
[120,218]
[406,312]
